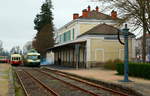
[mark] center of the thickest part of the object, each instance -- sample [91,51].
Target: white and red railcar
[16,59]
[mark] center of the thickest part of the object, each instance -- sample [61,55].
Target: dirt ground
[4,79]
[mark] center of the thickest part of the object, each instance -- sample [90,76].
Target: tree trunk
[144,44]
[144,33]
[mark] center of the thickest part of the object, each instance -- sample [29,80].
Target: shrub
[135,69]
[111,64]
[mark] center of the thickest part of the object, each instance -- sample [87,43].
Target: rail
[86,82]
[38,81]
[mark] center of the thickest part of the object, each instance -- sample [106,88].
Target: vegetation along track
[92,87]
[33,86]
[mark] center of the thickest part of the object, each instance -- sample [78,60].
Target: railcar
[4,59]
[16,59]
[32,58]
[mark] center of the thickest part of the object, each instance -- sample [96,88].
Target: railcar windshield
[33,57]
[16,58]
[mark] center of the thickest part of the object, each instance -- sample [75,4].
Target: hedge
[111,64]
[135,69]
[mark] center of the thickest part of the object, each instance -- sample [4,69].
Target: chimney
[89,8]
[84,13]
[97,9]
[75,16]
[113,14]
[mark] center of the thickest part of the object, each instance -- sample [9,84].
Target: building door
[99,55]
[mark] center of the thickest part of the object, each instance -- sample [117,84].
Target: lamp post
[126,55]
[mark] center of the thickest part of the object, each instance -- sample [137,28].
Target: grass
[18,88]
[6,74]
[3,88]
[6,71]
[5,77]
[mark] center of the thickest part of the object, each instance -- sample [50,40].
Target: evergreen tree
[44,26]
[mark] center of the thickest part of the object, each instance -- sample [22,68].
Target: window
[61,38]
[67,36]
[33,57]
[15,58]
[73,34]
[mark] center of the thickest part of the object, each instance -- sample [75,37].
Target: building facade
[90,40]
[138,48]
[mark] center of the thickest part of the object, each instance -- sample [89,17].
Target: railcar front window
[33,57]
[16,58]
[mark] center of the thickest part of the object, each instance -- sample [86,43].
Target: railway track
[49,82]
[32,86]
[61,87]
[83,83]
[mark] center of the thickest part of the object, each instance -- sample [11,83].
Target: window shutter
[73,34]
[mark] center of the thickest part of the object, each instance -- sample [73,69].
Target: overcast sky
[16,18]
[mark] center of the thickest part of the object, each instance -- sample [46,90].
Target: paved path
[139,84]
[4,79]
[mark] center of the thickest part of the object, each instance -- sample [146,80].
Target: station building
[90,40]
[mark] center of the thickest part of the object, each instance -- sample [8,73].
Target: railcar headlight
[29,60]
[38,60]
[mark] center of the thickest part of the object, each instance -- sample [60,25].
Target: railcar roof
[33,54]
[15,55]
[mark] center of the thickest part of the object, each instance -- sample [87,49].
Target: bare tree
[137,12]
[16,49]
[1,47]
[1,44]
[27,47]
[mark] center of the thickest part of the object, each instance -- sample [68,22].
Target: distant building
[90,40]
[138,48]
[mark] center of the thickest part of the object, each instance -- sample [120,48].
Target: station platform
[139,85]
[4,79]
